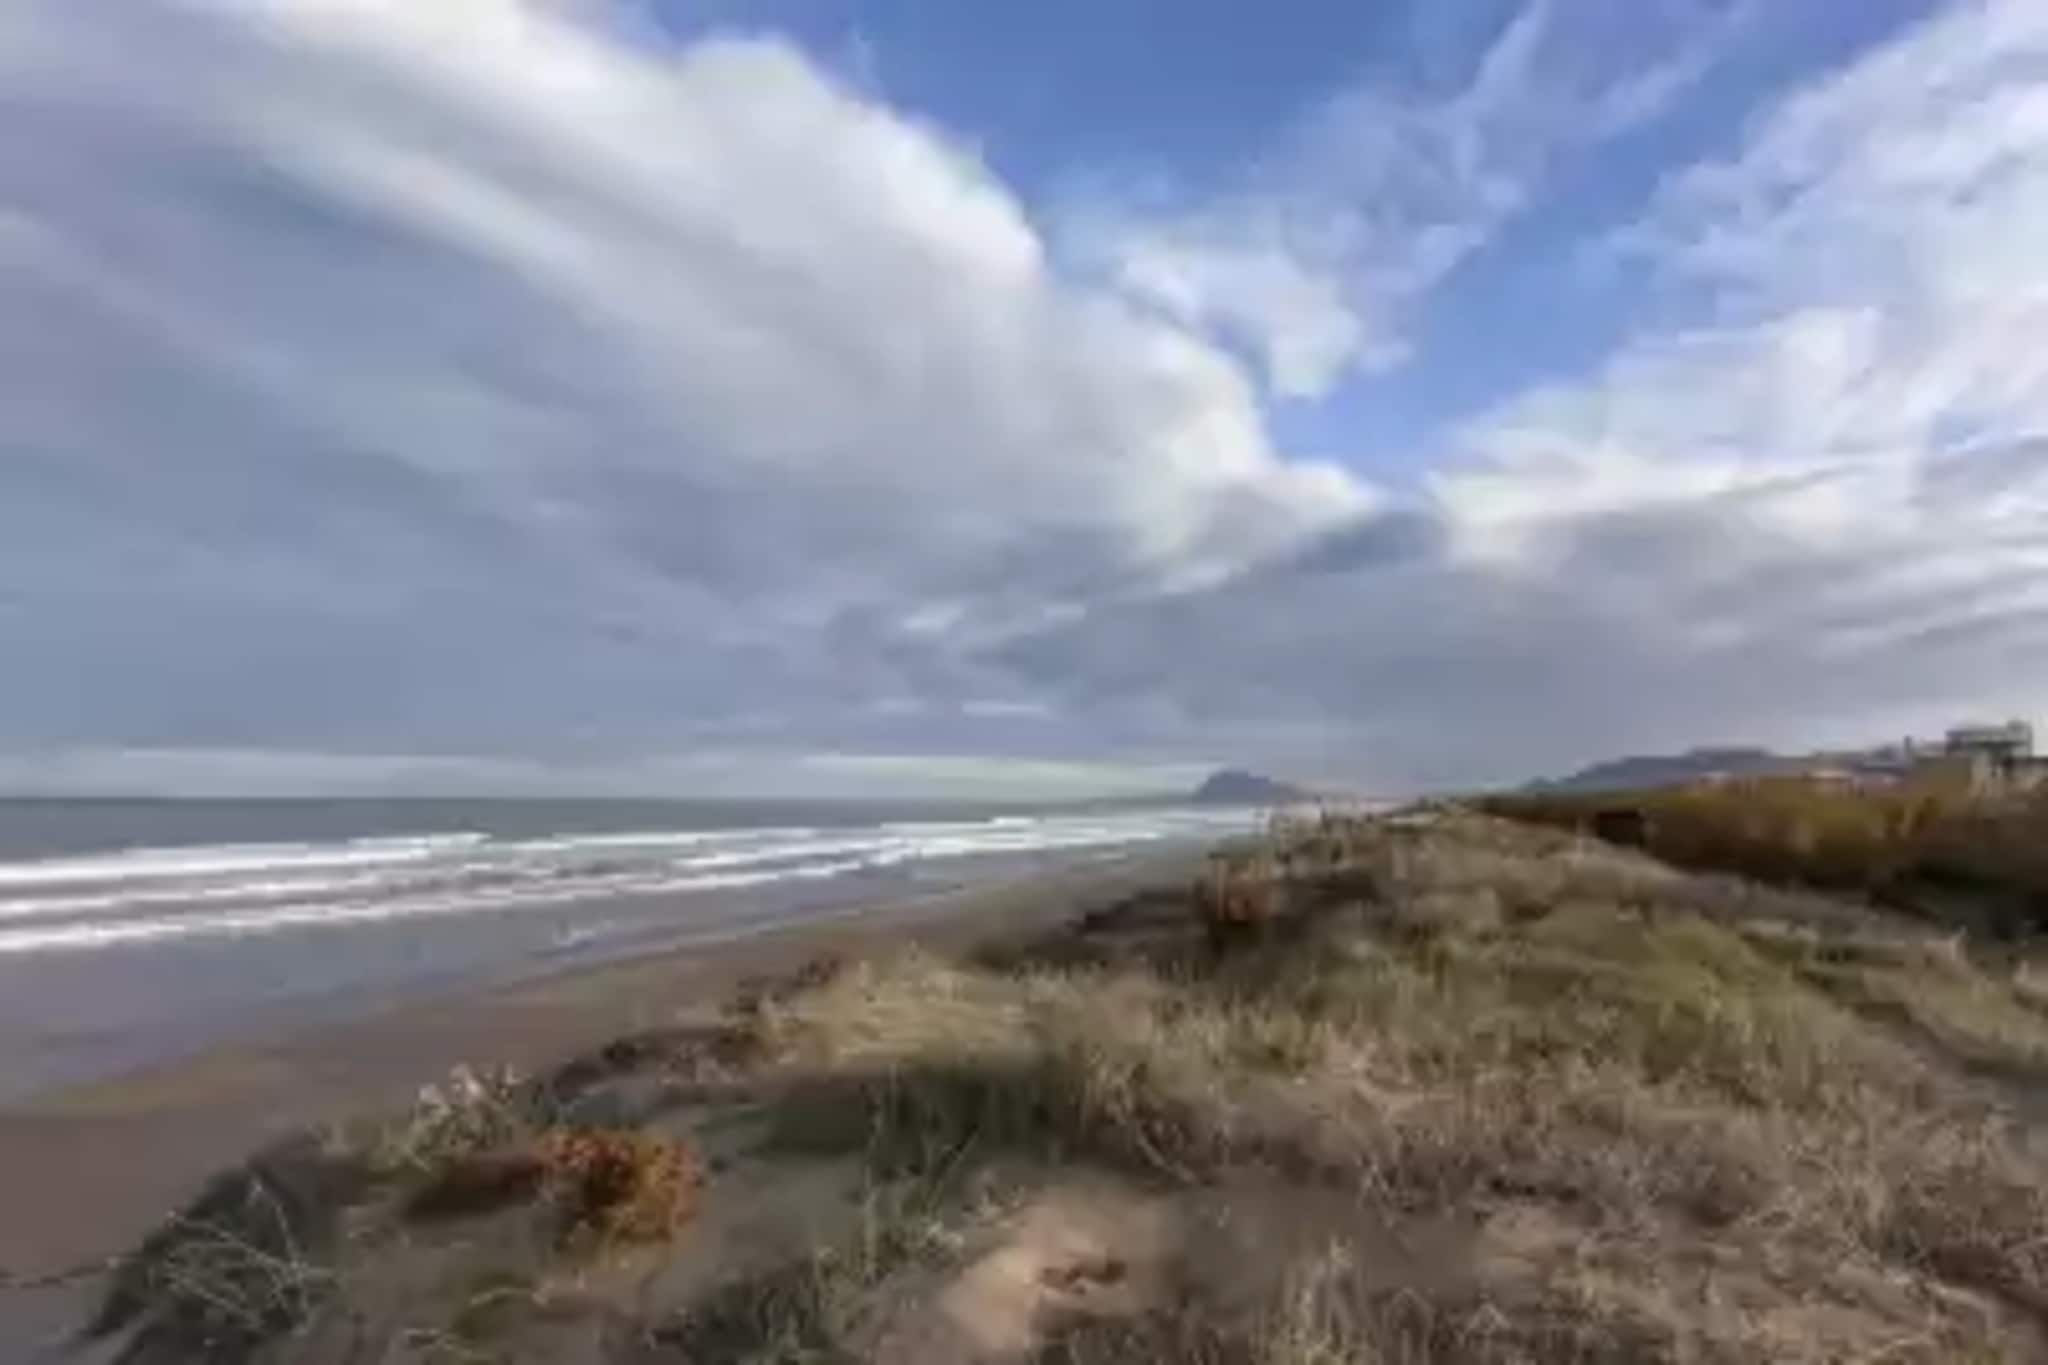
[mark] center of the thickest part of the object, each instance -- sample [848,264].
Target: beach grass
[1427,1088]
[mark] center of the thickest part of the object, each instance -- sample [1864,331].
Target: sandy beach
[86,1171]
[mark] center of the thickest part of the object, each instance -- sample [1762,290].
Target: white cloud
[544,396]
[1808,505]
[1300,317]
[1315,261]
[1875,276]
[432,338]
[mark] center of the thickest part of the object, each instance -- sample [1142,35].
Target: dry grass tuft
[471,1112]
[249,1261]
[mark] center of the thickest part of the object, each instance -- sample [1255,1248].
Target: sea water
[132,931]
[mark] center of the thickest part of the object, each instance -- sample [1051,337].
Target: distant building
[1985,760]
[2007,743]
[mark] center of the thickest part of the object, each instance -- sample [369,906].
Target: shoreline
[126,958]
[87,1170]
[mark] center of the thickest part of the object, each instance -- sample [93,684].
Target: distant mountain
[1641,771]
[1231,787]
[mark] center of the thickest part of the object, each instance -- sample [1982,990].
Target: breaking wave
[142,895]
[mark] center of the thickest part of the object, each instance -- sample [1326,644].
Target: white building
[2009,742]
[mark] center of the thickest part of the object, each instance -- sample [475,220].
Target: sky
[912,398]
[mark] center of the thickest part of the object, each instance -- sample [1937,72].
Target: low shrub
[604,1185]
[1240,895]
[618,1185]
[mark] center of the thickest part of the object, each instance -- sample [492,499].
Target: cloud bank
[465,373]
[477,379]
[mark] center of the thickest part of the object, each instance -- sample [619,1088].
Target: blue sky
[906,398]
[1179,102]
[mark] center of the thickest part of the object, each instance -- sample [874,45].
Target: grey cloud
[380,404]
[1393,536]
[369,388]
[1423,673]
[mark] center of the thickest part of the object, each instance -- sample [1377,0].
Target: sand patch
[1082,1251]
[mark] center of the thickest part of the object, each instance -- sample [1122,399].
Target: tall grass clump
[1901,843]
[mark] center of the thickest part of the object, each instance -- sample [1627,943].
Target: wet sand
[86,1172]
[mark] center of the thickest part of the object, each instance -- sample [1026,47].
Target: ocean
[136,931]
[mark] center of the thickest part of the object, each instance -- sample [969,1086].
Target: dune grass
[1690,1103]
[1896,843]
[1454,1090]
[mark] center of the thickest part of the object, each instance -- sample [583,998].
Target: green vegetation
[1428,1089]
